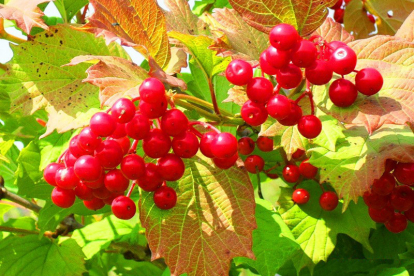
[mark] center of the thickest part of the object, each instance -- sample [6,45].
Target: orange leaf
[237,95]
[333,31]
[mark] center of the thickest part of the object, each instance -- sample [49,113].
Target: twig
[213,97]
[17,230]
[7,36]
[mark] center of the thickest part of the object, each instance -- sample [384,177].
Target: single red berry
[298,154]
[109,153]
[259,90]
[265,65]
[66,178]
[294,115]
[95,184]
[101,193]
[369,81]
[76,149]
[397,223]
[390,165]
[49,172]
[224,145]
[264,144]
[110,199]
[170,167]
[310,126]
[410,214]
[156,144]
[289,77]
[153,111]
[254,164]
[402,198]
[133,166]
[83,192]
[343,60]
[307,169]
[291,173]
[272,175]
[385,185]
[174,122]
[343,93]
[332,46]
[374,200]
[283,37]
[123,110]
[102,124]
[123,207]
[304,53]
[277,58]
[88,168]
[226,163]
[381,215]
[139,127]
[300,196]
[253,113]
[328,201]
[319,73]
[94,204]
[279,107]
[245,145]
[185,145]
[165,197]
[70,159]
[205,143]
[88,140]
[339,15]
[239,72]
[371,18]
[124,142]
[119,132]
[63,198]
[404,172]
[337,5]
[152,91]
[151,179]
[115,181]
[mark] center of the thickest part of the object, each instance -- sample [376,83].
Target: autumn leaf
[25,12]
[157,72]
[237,95]
[139,24]
[211,223]
[177,61]
[360,158]
[305,15]
[333,31]
[356,20]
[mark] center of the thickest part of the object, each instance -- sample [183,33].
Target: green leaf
[273,243]
[69,8]
[409,254]
[22,256]
[8,169]
[331,132]
[202,6]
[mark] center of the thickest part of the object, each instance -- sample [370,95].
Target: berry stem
[277,88]
[133,147]
[320,185]
[18,230]
[301,97]
[310,95]
[136,99]
[196,132]
[284,156]
[213,97]
[271,168]
[134,183]
[298,89]
[62,155]
[206,125]
[171,102]
[200,102]
[259,184]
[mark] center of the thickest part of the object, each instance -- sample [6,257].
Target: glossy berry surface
[277,58]
[343,93]
[254,164]
[133,166]
[265,66]
[119,132]
[319,73]
[328,201]
[294,115]
[298,154]
[245,145]
[88,168]
[139,127]
[404,172]
[95,184]
[66,178]
[343,60]
[402,198]
[70,159]
[226,163]
[291,173]
[151,179]
[310,126]
[289,77]
[84,192]
[369,81]
[109,153]
[75,149]
[50,172]
[63,198]
[385,185]
[170,167]
[259,90]
[152,91]
[88,140]
[304,53]
[156,144]
[165,197]
[283,37]
[224,145]
[300,196]
[253,113]
[374,200]
[123,207]
[264,144]
[94,204]
[115,181]
[307,169]
[186,145]
[397,223]
[205,143]
[155,110]
[102,124]
[279,107]
[239,72]
[381,215]
[101,193]
[174,122]
[123,110]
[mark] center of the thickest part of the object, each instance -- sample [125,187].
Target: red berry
[390,165]
[174,122]
[381,215]
[88,168]
[123,110]
[254,164]
[397,223]
[95,184]
[77,150]
[343,93]
[291,173]
[300,196]
[66,178]
[374,200]
[265,65]
[109,154]
[304,53]
[245,145]
[328,201]
[94,204]
[88,140]
[124,142]
[264,144]
[277,58]
[283,37]
[410,214]
[170,167]
[49,172]
[332,46]
[384,185]
[139,127]
[310,126]
[226,163]
[63,198]
[253,113]
[115,181]
[186,145]
[133,166]
[337,5]
[294,115]
[404,172]
[224,145]
[298,154]
[369,81]
[123,207]
[279,107]
[239,72]
[83,192]
[339,15]
[119,132]
[156,144]
[101,193]
[153,111]
[307,169]
[110,199]
[151,179]
[343,60]
[402,198]
[152,91]
[371,18]
[289,77]
[102,124]
[259,90]
[272,175]
[205,143]
[319,73]
[165,197]
[70,159]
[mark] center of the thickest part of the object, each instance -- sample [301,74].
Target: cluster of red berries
[284,58]
[255,163]
[391,198]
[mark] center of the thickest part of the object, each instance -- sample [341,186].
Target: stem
[131,188]
[196,132]
[85,10]
[300,97]
[133,147]
[206,125]
[272,168]
[7,36]
[283,154]
[277,88]
[298,89]
[201,102]
[62,156]
[311,102]
[4,193]
[213,97]
[17,230]
[136,99]
[259,184]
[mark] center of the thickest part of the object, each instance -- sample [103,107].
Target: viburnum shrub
[231,137]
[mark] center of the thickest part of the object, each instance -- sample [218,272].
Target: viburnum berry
[66,178]
[294,115]
[239,72]
[343,93]
[385,185]
[63,198]
[70,159]
[319,73]
[339,15]
[337,5]
[95,184]
[156,144]
[88,140]
[381,215]
[300,196]
[101,192]
[310,126]
[133,166]
[264,143]
[259,90]
[102,124]
[298,154]
[123,110]
[139,127]
[170,167]
[277,58]
[84,192]
[186,145]
[291,173]
[49,172]
[94,204]
[123,207]
[205,143]
[283,37]
[174,122]
[77,150]
[155,110]
[397,223]
[404,172]
[151,179]
[224,145]
[328,201]
[226,163]
[109,153]
[374,200]
[402,198]
[119,132]
[265,65]
[304,53]
[110,199]
[343,60]
[253,113]
[369,81]
[279,107]
[115,181]
[88,168]
[152,91]
[390,165]
[333,45]
[124,142]
[254,164]
[409,214]
[165,197]
[307,169]
[289,77]
[245,145]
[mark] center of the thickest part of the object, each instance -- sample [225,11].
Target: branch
[17,230]
[7,36]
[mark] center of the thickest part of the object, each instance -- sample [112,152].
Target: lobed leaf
[356,20]
[333,31]
[69,8]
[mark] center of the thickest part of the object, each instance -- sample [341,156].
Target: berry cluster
[255,163]
[391,198]
[284,58]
